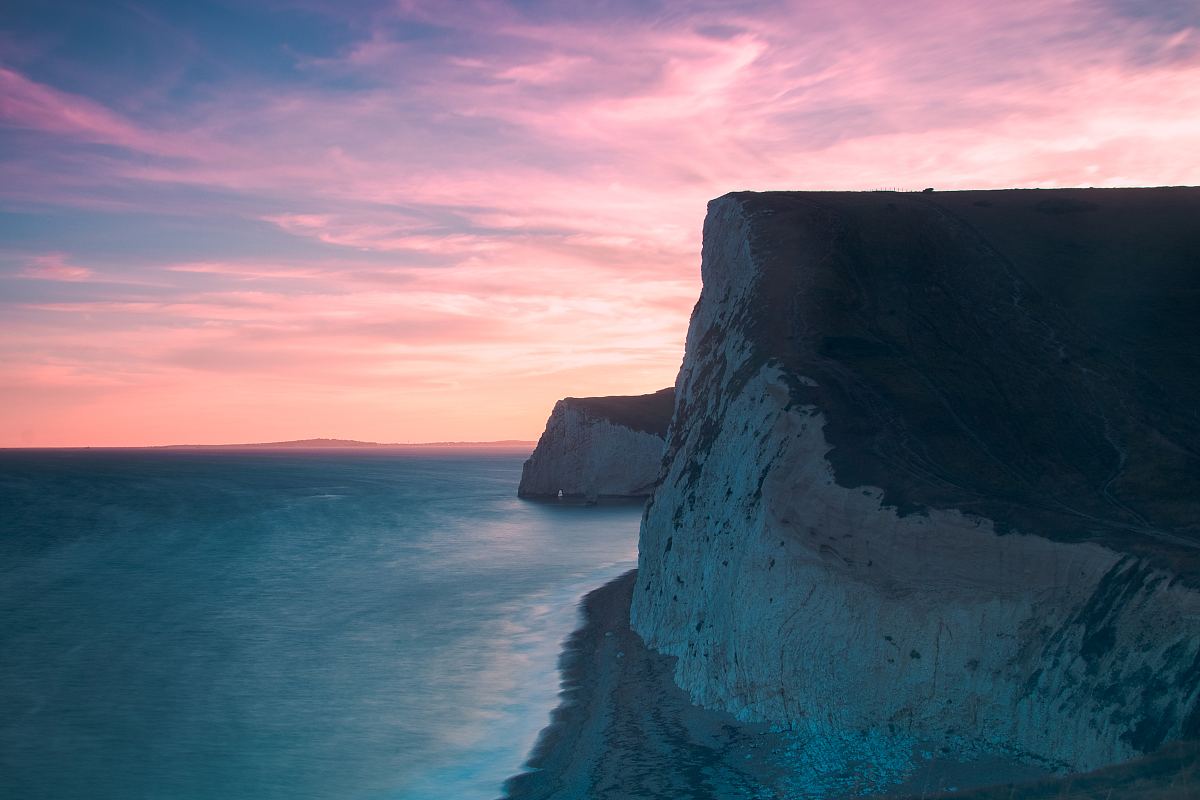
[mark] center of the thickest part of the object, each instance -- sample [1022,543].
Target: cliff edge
[933,475]
[600,447]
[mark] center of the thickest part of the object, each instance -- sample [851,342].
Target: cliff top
[650,413]
[1032,356]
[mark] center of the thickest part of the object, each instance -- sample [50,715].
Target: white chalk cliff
[932,477]
[596,447]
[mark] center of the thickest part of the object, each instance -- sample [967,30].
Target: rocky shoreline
[623,729]
[622,720]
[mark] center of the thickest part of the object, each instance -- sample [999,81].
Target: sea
[186,625]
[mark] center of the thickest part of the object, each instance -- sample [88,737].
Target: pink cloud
[383,233]
[54,267]
[27,104]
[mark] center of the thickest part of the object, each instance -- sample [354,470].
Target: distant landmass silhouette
[335,444]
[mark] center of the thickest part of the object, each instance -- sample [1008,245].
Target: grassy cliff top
[650,413]
[1032,356]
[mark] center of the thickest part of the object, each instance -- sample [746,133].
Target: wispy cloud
[27,104]
[54,267]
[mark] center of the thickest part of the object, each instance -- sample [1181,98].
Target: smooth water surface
[380,624]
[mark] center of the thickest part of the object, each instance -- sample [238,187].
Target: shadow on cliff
[1172,773]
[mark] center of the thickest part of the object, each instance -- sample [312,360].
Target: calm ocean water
[283,625]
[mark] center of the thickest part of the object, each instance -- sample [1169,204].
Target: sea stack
[933,476]
[597,447]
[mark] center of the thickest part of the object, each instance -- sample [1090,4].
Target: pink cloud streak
[54,267]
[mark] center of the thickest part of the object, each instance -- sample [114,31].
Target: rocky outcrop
[933,476]
[600,447]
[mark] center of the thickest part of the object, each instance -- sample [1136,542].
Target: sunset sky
[415,221]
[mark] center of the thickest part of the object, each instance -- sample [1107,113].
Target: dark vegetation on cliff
[649,413]
[1030,356]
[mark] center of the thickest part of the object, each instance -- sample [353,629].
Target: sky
[423,221]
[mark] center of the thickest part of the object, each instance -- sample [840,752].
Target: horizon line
[290,444]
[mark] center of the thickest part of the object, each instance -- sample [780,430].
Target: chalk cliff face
[600,447]
[934,474]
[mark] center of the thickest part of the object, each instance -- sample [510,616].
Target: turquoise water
[283,625]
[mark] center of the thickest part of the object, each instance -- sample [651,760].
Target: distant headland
[338,444]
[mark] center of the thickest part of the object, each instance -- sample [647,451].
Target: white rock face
[586,455]
[789,598]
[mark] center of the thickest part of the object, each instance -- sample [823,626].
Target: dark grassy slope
[650,413]
[1029,356]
